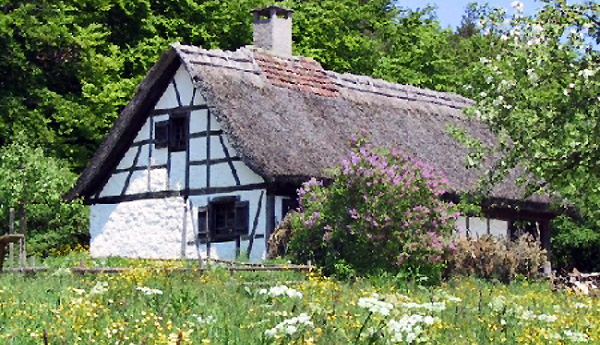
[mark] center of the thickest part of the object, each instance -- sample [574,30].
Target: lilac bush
[382,211]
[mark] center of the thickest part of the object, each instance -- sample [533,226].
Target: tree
[540,94]
[33,184]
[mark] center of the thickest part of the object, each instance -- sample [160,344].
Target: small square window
[172,133]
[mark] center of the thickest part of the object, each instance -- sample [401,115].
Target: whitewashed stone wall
[476,227]
[167,227]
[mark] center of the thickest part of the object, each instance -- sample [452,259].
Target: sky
[450,12]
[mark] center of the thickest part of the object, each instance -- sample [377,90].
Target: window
[287,205]
[172,133]
[225,219]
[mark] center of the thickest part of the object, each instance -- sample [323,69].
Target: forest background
[68,67]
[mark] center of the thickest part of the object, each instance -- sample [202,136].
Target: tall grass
[153,306]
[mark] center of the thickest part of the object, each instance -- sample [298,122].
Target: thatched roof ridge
[288,118]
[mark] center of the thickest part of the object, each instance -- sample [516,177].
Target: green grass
[219,307]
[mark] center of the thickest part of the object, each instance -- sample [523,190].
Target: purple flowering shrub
[381,212]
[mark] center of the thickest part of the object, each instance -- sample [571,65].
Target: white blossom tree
[541,95]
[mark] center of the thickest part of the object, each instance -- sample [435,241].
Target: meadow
[152,305]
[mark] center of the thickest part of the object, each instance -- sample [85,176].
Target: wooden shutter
[161,134]
[178,133]
[242,210]
[203,233]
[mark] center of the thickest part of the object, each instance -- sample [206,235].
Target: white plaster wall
[142,229]
[177,176]
[246,175]
[114,185]
[127,160]
[479,226]
[197,176]
[216,149]
[197,149]
[198,120]
[144,132]
[138,183]
[184,86]
[221,175]
[499,228]
[158,180]
[168,99]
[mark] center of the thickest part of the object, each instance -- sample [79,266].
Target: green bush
[383,212]
[491,257]
[575,244]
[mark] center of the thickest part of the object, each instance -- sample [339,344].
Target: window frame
[173,133]
[238,226]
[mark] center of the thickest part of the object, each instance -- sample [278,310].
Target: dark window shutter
[210,222]
[161,134]
[203,221]
[178,133]
[242,210]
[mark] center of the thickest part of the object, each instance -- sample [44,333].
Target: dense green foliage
[71,65]
[32,185]
[382,212]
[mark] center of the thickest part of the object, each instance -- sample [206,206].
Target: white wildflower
[149,291]
[290,326]
[99,288]
[483,94]
[281,290]
[78,291]
[204,320]
[497,303]
[409,328]
[527,315]
[484,60]
[547,318]
[375,306]
[575,337]
[581,306]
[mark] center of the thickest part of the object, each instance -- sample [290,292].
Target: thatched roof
[288,118]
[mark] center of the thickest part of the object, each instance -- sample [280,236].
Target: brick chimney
[273,29]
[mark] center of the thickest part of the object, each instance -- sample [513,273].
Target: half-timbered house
[207,156]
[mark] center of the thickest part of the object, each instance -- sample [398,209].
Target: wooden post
[545,230]
[22,230]
[11,230]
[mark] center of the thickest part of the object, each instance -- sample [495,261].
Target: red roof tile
[295,73]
